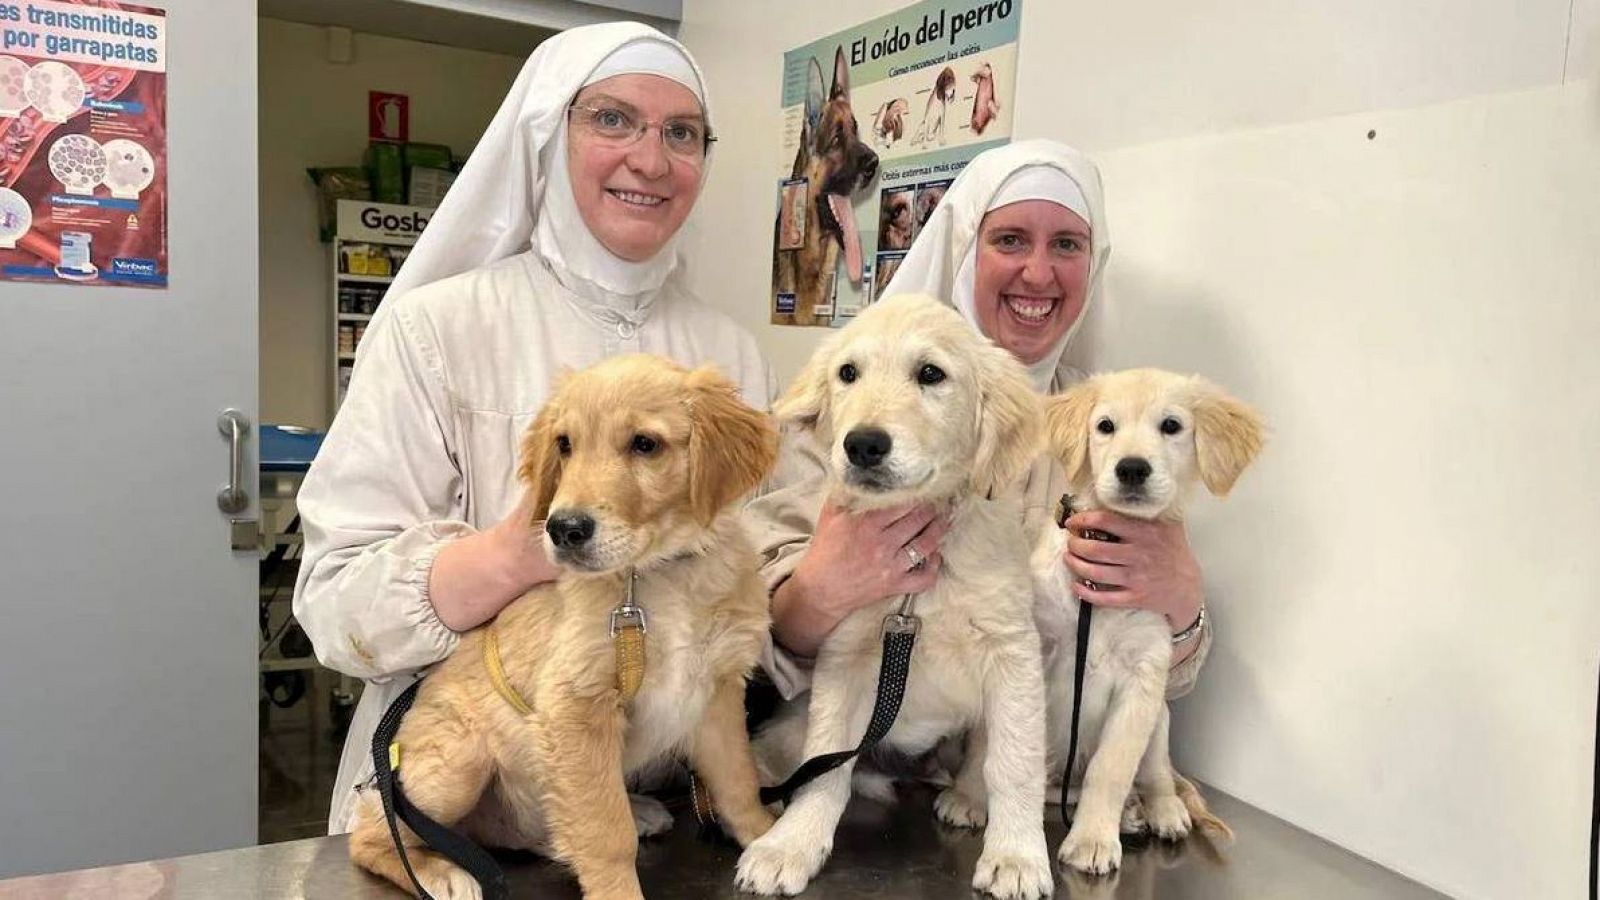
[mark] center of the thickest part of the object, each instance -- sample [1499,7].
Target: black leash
[1080,660]
[899,638]
[464,853]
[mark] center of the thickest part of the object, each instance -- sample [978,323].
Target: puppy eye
[1170,425]
[563,445]
[1105,426]
[644,444]
[930,374]
[847,373]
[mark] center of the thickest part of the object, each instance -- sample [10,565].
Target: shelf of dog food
[350,335]
[371,244]
[370,262]
[359,299]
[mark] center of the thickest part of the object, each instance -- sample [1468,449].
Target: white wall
[1407,631]
[314,113]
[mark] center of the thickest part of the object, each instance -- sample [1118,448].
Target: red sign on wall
[388,117]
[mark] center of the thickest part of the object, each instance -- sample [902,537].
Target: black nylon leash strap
[1079,663]
[464,853]
[1080,659]
[899,638]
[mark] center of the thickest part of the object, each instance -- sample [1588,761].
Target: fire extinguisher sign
[388,117]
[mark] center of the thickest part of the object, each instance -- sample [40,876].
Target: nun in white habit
[1019,245]
[554,249]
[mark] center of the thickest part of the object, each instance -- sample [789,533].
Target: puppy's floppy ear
[1066,418]
[731,446]
[540,467]
[1227,436]
[805,403]
[1008,421]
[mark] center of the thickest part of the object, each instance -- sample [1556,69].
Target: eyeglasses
[687,139]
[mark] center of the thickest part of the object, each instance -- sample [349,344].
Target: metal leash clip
[1065,510]
[905,621]
[627,617]
[629,614]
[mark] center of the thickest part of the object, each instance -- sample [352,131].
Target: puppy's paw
[1012,875]
[773,867]
[955,808]
[875,786]
[1091,849]
[650,817]
[1169,818]
[1133,815]
[449,882]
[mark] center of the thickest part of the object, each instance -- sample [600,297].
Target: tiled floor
[299,756]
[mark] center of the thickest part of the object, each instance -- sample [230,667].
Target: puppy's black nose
[569,530]
[867,447]
[1133,470]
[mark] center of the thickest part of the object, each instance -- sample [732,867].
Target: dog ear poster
[877,121]
[83,143]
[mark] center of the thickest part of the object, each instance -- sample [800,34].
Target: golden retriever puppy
[634,466]
[1137,442]
[910,404]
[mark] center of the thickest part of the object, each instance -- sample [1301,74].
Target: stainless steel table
[879,852]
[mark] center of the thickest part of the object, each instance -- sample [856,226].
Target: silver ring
[916,557]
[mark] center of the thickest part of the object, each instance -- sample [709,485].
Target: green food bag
[427,156]
[387,171]
[335,184]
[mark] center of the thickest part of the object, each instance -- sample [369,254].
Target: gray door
[127,647]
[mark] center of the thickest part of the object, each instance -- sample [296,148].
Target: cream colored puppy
[912,405]
[1136,442]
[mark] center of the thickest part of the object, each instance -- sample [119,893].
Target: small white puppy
[911,405]
[1136,442]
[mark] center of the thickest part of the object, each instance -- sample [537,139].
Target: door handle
[234,426]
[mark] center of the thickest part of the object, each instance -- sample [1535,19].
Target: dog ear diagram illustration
[984,104]
[889,123]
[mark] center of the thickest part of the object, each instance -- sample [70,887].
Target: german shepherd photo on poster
[832,166]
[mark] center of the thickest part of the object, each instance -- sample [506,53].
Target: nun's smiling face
[1032,275]
[634,190]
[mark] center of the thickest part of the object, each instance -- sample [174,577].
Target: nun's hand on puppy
[1151,568]
[855,560]
[476,576]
